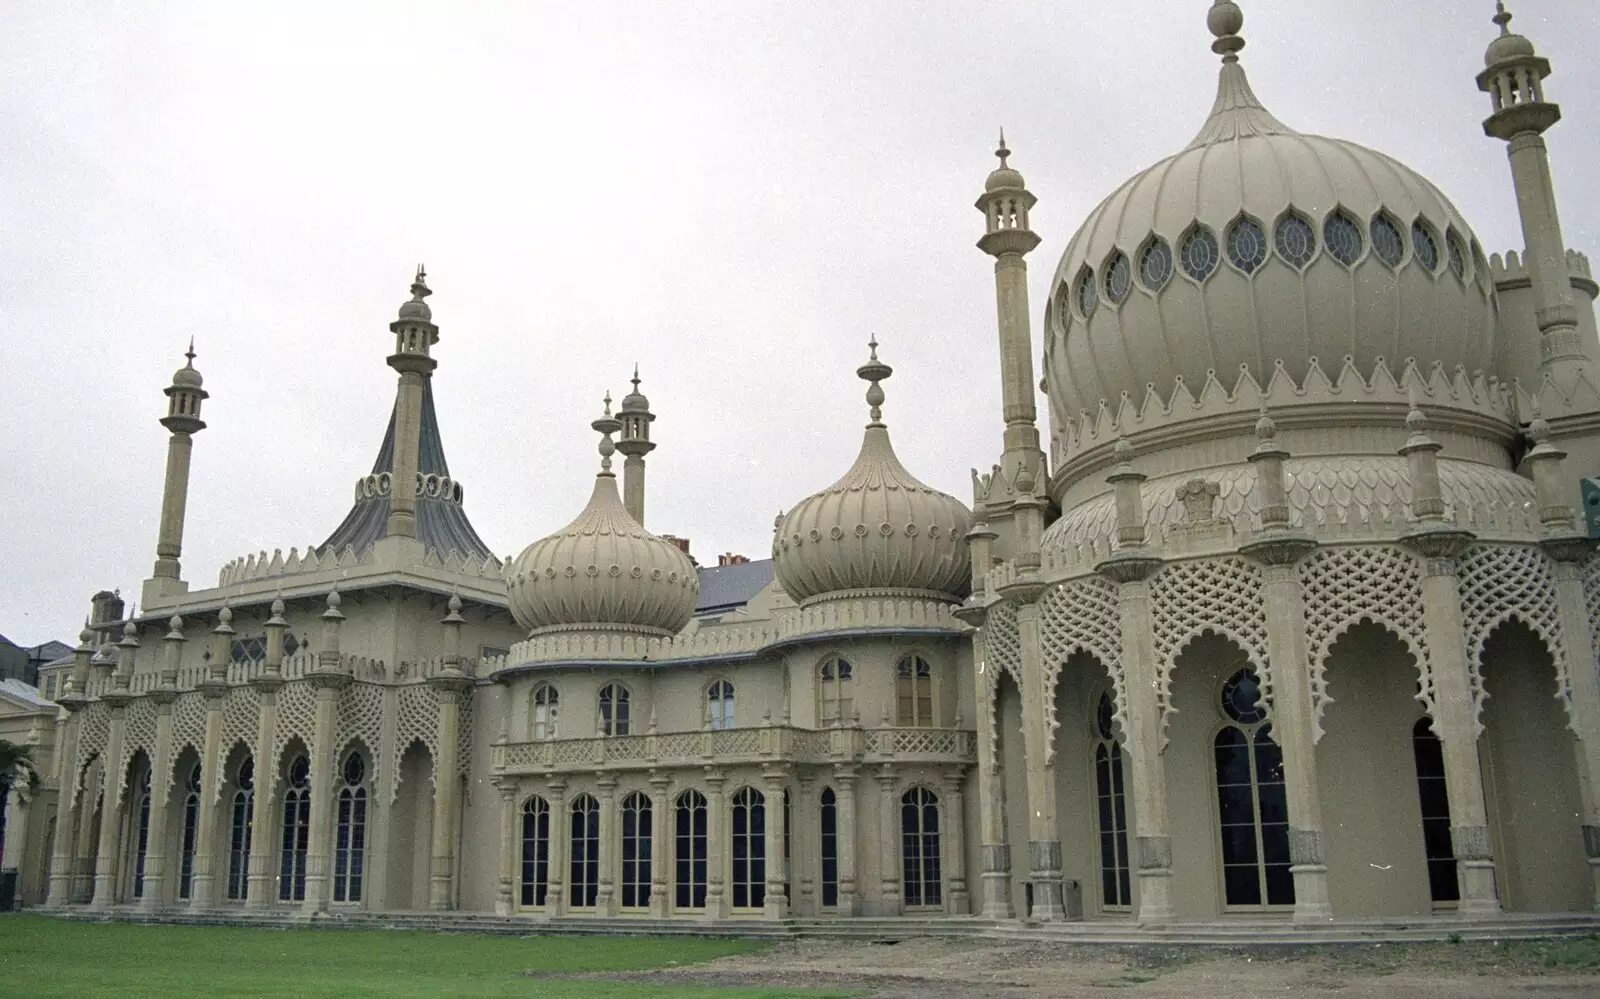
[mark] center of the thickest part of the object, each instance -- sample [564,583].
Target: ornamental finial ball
[1225,18]
[334,600]
[225,615]
[1266,429]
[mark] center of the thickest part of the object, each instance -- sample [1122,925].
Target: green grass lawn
[44,958]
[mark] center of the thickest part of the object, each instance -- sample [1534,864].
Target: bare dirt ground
[939,969]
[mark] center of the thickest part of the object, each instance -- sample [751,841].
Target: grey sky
[736,195]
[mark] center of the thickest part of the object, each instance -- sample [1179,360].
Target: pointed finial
[1002,151]
[1266,429]
[1226,20]
[1502,17]
[419,286]
[608,402]
[190,354]
[605,426]
[636,376]
[874,371]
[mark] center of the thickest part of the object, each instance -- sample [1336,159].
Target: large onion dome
[603,571]
[1257,244]
[876,529]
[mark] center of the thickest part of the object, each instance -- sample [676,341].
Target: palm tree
[17,772]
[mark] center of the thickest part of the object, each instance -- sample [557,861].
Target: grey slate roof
[725,587]
[441,524]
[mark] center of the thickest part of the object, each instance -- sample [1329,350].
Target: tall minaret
[1514,79]
[634,444]
[1005,204]
[414,336]
[184,397]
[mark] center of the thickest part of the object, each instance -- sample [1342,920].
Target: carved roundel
[836,532]
[861,530]
[886,529]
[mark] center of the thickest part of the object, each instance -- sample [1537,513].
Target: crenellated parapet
[1511,273]
[261,566]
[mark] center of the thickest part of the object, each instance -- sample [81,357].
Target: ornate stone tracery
[1222,596]
[1347,585]
[1502,582]
[416,720]
[1080,616]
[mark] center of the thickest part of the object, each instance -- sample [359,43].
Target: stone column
[716,829]
[1568,557]
[70,810]
[803,853]
[605,901]
[660,835]
[155,855]
[1044,836]
[259,893]
[109,852]
[510,856]
[449,685]
[327,685]
[996,849]
[202,890]
[954,844]
[888,842]
[776,901]
[83,855]
[844,813]
[560,838]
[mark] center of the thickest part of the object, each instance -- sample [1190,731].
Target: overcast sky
[736,195]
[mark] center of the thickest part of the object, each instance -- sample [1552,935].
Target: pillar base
[1311,902]
[1155,896]
[997,895]
[1480,898]
[1044,872]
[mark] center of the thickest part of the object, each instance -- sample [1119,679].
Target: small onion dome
[603,572]
[1003,178]
[635,401]
[187,376]
[877,528]
[1508,45]
[416,308]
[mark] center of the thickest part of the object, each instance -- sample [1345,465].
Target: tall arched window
[350,837]
[749,849]
[1431,789]
[830,848]
[613,709]
[719,705]
[636,852]
[919,849]
[835,705]
[689,875]
[546,708]
[1111,811]
[296,832]
[244,807]
[585,846]
[535,851]
[913,690]
[1252,808]
[142,834]
[191,825]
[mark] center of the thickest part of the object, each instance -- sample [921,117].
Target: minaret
[635,443]
[1005,204]
[414,336]
[184,397]
[1514,78]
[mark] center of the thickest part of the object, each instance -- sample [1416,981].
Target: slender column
[183,420]
[803,852]
[84,855]
[415,334]
[776,901]
[996,877]
[844,778]
[318,871]
[560,837]
[606,895]
[202,889]
[450,685]
[716,828]
[888,842]
[155,856]
[117,699]
[259,892]
[70,810]
[1044,836]
[509,842]
[660,851]
[954,844]
[1585,681]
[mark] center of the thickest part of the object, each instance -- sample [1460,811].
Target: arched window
[690,856]
[636,853]
[585,846]
[919,852]
[913,687]
[719,705]
[613,709]
[749,849]
[191,826]
[1431,789]
[830,848]
[142,834]
[1115,889]
[1252,808]
[350,837]
[296,832]
[834,702]
[244,807]
[546,708]
[535,851]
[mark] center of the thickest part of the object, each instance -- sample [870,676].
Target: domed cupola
[877,530]
[603,572]
[1258,245]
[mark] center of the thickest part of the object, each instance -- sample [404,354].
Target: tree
[17,772]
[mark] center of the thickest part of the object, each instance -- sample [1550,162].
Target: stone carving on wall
[1501,582]
[1080,615]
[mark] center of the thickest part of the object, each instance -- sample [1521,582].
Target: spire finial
[419,286]
[636,376]
[1226,20]
[1002,151]
[1502,17]
[874,371]
[190,354]
[605,426]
